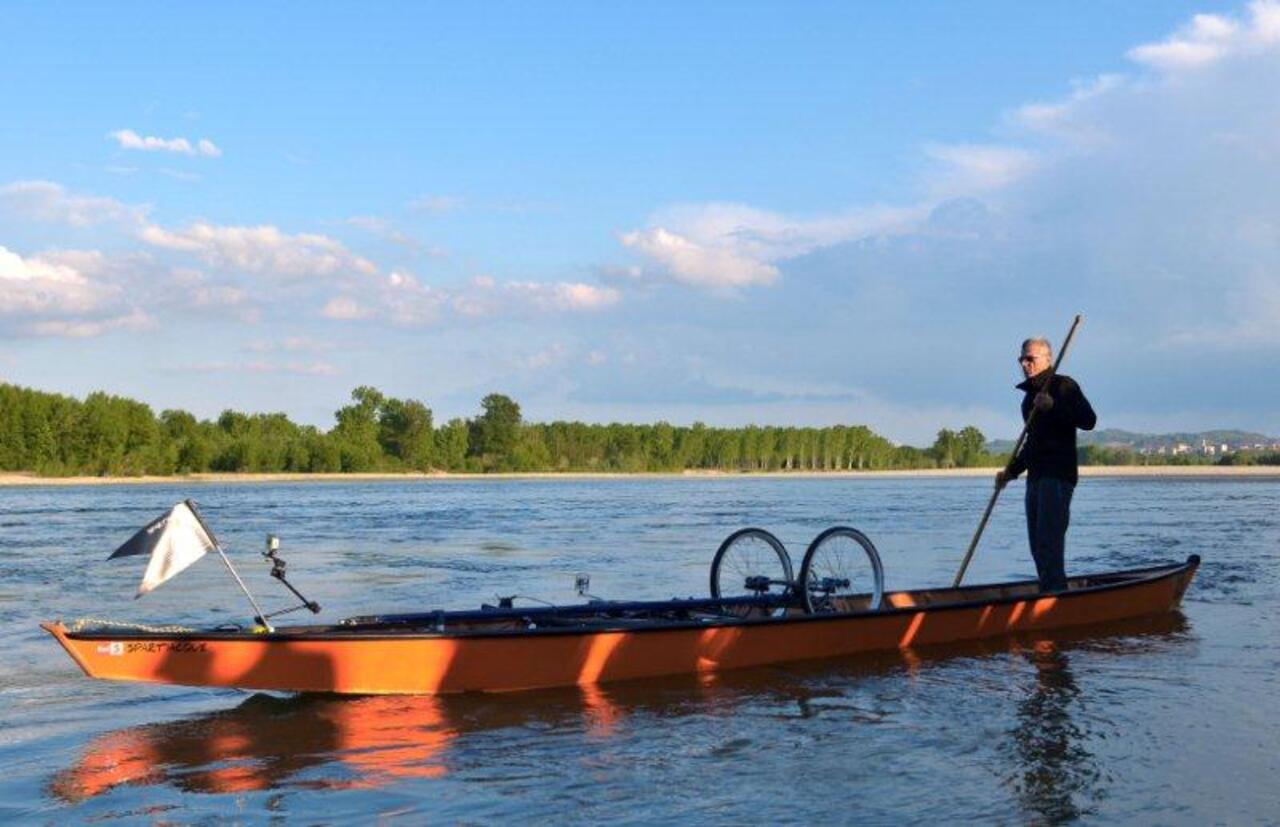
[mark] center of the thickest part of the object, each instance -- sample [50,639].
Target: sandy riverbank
[1151,471]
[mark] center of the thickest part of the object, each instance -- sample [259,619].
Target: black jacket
[1050,448]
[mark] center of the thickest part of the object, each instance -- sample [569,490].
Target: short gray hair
[1038,340]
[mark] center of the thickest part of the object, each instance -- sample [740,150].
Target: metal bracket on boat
[582,585]
[278,566]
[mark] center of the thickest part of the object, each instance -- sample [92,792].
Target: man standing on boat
[1049,458]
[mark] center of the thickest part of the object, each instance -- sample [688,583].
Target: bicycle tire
[750,552]
[836,566]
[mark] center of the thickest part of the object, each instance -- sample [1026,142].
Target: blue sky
[775,213]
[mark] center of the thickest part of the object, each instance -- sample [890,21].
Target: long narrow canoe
[511,649]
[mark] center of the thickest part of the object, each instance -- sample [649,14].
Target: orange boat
[758,614]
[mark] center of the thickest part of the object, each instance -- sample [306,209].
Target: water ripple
[1167,720]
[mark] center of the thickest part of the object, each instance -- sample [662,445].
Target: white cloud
[1209,38]
[725,246]
[128,139]
[406,301]
[345,308]
[224,299]
[42,285]
[87,328]
[1206,39]
[402,299]
[61,294]
[975,169]
[1052,118]
[485,297]
[88,292]
[262,250]
[49,202]
[171,290]
[567,297]
[699,264]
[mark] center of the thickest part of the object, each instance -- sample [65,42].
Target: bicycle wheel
[841,563]
[750,561]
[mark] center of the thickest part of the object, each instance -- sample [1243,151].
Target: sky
[773,213]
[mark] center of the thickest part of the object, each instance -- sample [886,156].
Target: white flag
[174,541]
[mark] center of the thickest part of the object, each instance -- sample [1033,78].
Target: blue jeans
[1048,513]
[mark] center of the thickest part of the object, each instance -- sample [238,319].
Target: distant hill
[1135,440]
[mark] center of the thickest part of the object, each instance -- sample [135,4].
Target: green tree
[451,445]
[495,431]
[405,432]
[971,447]
[945,449]
[357,431]
[530,452]
[191,451]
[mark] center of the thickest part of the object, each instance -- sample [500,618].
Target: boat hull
[417,662]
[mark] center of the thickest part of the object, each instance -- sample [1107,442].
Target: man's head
[1037,356]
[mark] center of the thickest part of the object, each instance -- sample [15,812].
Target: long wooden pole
[1017,447]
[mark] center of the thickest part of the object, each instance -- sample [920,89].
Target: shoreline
[18,479]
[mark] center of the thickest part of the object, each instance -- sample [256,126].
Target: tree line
[1125,455]
[106,435]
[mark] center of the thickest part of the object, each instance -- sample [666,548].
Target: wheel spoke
[746,554]
[839,564]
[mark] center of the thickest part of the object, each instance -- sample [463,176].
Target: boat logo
[115,647]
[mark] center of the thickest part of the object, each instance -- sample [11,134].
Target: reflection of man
[1053,765]
[1049,457]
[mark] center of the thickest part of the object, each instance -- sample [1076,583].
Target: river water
[1174,720]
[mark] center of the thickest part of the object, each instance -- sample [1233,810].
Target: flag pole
[261,616]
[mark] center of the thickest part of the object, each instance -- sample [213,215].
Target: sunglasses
[1022,359]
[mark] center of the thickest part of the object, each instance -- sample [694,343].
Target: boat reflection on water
[343,742]
[315,741]
[266,741]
